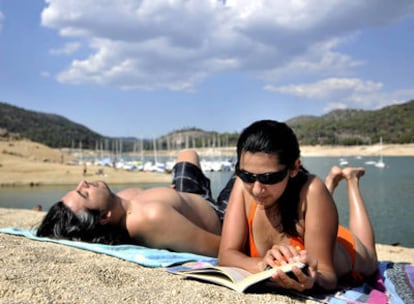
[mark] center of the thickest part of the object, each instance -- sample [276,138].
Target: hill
[49,129]
[395,124]
[58,132]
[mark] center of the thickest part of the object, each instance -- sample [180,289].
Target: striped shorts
[187,177]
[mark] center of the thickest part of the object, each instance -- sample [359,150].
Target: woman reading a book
[278,212]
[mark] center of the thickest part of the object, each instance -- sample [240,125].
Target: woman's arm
[320,223]
[232,251]
[321,226]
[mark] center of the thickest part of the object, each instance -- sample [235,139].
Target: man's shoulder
[130,193]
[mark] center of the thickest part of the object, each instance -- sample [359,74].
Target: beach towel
[394,284]
[141,255]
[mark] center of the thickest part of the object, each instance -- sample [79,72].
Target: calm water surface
[388,193]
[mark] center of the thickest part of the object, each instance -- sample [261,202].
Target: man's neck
[119,211]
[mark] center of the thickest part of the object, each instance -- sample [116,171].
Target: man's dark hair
[61,223]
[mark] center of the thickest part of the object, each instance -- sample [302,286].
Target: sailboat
[155,166]
[343,162]
[380,163]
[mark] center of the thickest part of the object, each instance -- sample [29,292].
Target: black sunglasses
[269,178]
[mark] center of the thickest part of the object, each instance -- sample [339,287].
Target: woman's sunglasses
[269,178]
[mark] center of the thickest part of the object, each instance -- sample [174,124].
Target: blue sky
[144,68]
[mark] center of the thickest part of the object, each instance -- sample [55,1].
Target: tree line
[395,124]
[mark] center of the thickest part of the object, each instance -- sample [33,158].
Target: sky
[144,68]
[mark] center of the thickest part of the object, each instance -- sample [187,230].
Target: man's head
[61,222]
[89,195]
[83,215]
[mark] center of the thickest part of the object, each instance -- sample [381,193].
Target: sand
[40,272]
[25,163]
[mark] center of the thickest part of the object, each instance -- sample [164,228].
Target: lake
[388,193]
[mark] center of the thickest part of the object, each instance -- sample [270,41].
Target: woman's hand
[299,280]
[280,254]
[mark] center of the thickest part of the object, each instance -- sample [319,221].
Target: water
[388,193]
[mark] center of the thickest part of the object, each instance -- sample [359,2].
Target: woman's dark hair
[61,223]
[272,137]
[277,138]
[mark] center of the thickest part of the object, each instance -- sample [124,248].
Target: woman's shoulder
[240,195]
[315,193]
[315,185]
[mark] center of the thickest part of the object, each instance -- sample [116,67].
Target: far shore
[26,163]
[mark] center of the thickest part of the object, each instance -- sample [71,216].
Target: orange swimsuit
[294,241]
[344,237]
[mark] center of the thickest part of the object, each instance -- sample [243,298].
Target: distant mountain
[50,129]
[195,137]
[395,124]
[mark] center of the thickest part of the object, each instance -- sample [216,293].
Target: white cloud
[328,88]
[175,44]
[68,49]
[342,93]
[319,59]
[335,106]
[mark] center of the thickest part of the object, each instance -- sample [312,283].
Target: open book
[231,277]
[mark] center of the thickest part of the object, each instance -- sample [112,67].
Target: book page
[231,277]
[232,273]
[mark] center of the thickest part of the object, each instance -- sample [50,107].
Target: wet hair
[277,138]
[62,223]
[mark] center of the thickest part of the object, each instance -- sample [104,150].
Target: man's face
[94,196]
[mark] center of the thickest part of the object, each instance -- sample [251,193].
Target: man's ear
[105,217]
[294,171]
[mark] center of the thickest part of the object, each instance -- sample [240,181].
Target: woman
[278,212]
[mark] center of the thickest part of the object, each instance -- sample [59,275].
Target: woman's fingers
[281,254]
[296,279]
[299,278]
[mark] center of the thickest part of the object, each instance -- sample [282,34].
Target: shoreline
[26,163]
[391,150]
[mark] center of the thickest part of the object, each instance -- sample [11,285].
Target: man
[182,217]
